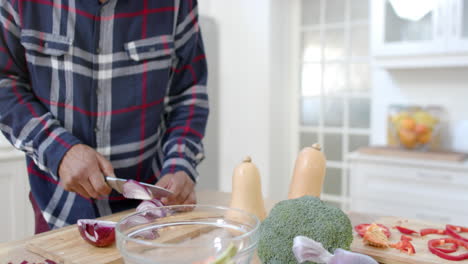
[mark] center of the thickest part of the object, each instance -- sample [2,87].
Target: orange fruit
[425,138]
[421,129]
[407,124]
[408,138]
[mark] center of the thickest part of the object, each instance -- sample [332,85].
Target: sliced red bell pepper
[455,230]
[405,230]
[442,242]
[434,247]
[405,238]
[362,228]
[428,231]
[404,245]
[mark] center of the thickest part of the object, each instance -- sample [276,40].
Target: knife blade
[156,191]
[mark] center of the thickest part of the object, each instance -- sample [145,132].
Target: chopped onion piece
[134,190]
[140,221]
[150,209]
[96,232]
[306,249]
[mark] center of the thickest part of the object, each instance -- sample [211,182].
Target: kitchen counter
[15,252]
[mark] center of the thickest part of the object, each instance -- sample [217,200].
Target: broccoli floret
[306,216]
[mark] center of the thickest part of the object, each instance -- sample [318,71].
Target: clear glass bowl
[188,234]
[415,127]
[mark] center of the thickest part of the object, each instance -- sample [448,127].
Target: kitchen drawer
[410,210]
[415,174]
[402,184]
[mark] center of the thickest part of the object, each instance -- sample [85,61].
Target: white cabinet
[409,188]
[17,219]
[438,39]
[458,40]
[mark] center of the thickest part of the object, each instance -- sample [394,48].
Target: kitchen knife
[156,191]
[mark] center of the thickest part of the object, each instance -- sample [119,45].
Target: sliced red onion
[96,232]
[306,249]
[150,209]
[134,190]
[138,220]
[149,204]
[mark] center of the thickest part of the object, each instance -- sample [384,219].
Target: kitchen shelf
[417,62]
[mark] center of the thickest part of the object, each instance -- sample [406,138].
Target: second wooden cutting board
[394,256]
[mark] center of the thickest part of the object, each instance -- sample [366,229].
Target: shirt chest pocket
[155,48]
[154,56]
[44,44]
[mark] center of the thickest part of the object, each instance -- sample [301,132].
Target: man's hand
[181,185]
[82,171]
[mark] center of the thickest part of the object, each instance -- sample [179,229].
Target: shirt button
[98,50]
[96,129]
[98,91]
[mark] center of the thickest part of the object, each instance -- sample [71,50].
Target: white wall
[282,105]
[445,87]
[252,103]
[209,168]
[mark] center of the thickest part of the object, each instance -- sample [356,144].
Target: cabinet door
[431,194]
[396,36]
[17,219]
[458,39]
[4,144]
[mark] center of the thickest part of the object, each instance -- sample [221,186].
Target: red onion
[139,220]
[307,249]
[134,190]
[149,212]
[96,232]
[149,209]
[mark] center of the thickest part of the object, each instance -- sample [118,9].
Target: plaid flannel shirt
[127,77]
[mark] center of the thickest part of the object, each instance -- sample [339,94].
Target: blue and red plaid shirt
[127,77]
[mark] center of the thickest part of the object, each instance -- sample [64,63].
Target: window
[335,86]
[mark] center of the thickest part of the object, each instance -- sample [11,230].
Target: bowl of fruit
[414,127]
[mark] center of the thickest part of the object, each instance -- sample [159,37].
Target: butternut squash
[309,173]
[247,189]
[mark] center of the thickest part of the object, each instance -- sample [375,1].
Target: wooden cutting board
[65,246]
[68,247]
[394,256]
